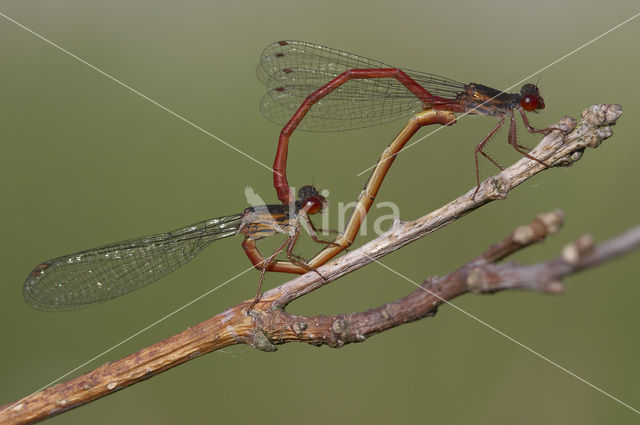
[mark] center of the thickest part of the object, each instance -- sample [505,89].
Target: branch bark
[269,324]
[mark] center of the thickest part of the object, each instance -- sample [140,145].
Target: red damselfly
[300,76]
[318,88]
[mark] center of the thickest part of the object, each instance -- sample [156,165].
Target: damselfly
[95,275]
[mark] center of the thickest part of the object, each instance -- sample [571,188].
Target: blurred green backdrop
[86,162]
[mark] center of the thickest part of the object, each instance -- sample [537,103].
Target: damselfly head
[312,201]
[530,98]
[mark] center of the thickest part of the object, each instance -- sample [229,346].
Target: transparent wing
[292,70]
[95,275]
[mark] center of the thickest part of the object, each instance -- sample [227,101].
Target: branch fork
[269,325]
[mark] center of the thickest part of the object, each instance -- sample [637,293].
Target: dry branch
[269,324]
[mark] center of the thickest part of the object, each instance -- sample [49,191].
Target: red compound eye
[530,98]
[529,102]
[313,204]
[311,200]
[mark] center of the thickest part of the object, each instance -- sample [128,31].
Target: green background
[86,162]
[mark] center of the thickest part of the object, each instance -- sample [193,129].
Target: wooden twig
[481,275]
[269,325]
